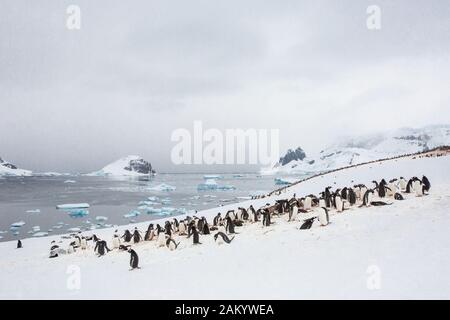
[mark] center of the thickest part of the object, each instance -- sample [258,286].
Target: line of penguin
[315,209]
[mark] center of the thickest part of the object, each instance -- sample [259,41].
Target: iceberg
[151,210]
[132,214]
[40,234]
[33,211]
[212,176]
[70,181]
[162,187]
[101,218]
[17,224]
[284,181]
[209,184]
[73,206]
[36,228]
[77,213]
[75,229]
[152,199]
[226,187]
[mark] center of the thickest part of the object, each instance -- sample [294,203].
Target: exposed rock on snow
[127,166]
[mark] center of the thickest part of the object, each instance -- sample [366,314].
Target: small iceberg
[212,176]
[40,234]
[151,210]
[73,206]
[33,211]
[132,214]
[17,224]
[238,175]
[101,218]
[76,229]
[154,199]
[226,187]
[70,181]
[77,213]
[284,181]
[147,203]
[36,229]
[166,201]
[209,184]
[163,187]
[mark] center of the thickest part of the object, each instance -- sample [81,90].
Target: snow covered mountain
[366,148]
[127,166]
[9,169]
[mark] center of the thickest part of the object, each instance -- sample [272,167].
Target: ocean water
[33,200]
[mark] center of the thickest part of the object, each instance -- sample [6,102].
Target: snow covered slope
[8,169]
[396,251]
[368,148]
[127,166]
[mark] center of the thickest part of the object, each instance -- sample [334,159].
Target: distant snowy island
[9,169]
[362,149]
[126,166]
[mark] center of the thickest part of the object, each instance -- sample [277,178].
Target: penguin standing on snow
[307,224]
[182,228]
[100,247]
[327,197]
[19,244]
[367,198]
[221,237]
[205,226]
[83,243]
[293,213]
[324,218]
[229,226]
[194,233]
[150,233]
[161,240]
[409,185]
[339,203]
[217,219]
[266,217]
[426,183]
[127,236]
[136,236]
[134,259]
[351,196]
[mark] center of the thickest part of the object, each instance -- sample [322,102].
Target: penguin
[409,185]
[266,218]
[196,237]
[182,228]
[221,237]
[344,193]
[398,196]
[221,228]
[134,259]
[176,224]
[200,226]
[217,219]
[171,244]
[77,243]
[339,203]
[322,202]
[324,218]
[351,196]
[307,203]
[168,228]
[327,197]
[418,187]
[127,236]
[253,214]
[391,188]
[363,189]
[136,236]
[150,233]
[293,213]
[367,198]
[402,183]
[19,244]
[100,247]
[161,240]
[307,224]
[244,214]
[426,183]
[95,238]
[382,189]
[205,226]
[229,227]
[379,203]
[83,243]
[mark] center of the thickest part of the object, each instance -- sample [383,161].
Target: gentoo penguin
[409,185]
[150,233]
[19,244]
[363,192]
[253,214]
[161,240]
[221,237]
[134,259]
[307,223]
[351,196]
[176,224]
[182,228]
[266,218]
[402,183]
[293,213]
[205,226]
[327,197]
[322,202]
[127,236]
[418,187]
[244,214]
[171,244]
[136,235]
[367,198]
[200,225]
[307,203]
[196,237]
[83,243]
[426,183]
[100,247]
[217,219]
[382,188]
[398,196]
[324,218]
[391,188]
[168,228]
[339,203]
[229,225]
[379,203]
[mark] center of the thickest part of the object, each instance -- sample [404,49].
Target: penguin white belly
[418,188]
[402,185]
[363,192]
[369,199]
[219,240]
[294,213]
[357,193]
[307,203]
[83,244]
[116,243]
[322,203]
[339,204]
[323,219]
[172,246]
[392,189]
[161,242]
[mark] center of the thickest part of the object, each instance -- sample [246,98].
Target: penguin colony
[307,211]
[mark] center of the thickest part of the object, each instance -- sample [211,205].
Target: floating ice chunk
[166,201]
[73,206]
[33,211]
[147,203]
[75,229]
[152,199]
[151,210]
[195,197]
[101,218]
[17,224]
[163,187]
[226,187]
[284,181]
[3,232]
[36,228]
[77,213]
[50,230]
[212,176]
[209,184]
[238,175]
[70,181]
[132,214]
[40,234]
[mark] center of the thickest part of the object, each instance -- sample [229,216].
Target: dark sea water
[111,198]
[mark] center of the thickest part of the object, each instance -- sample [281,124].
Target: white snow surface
[405,246]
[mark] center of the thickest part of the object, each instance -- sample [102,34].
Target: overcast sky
[75,100]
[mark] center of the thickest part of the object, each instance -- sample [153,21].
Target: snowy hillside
[9,169]
[127,166]
[395,251]
[367,148]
